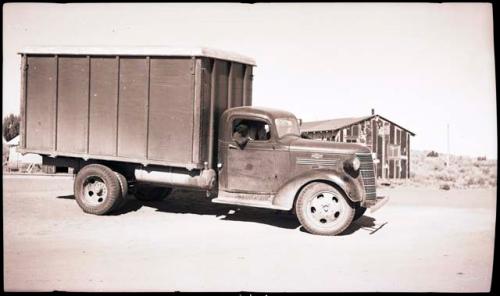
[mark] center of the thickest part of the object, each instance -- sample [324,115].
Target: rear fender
[351,187]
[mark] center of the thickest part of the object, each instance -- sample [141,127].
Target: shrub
[445,187]
[433,154]
[11,126]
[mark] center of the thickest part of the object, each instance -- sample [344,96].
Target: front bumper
[377,203]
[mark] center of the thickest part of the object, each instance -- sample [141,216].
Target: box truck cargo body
[142,105]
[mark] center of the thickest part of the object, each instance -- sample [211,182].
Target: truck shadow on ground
[183,202]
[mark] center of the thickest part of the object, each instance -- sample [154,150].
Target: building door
[403,168]
[380,153]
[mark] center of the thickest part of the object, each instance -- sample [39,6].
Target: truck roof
[268,112]
[141,51]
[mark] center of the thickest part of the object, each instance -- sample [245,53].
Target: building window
[393,151]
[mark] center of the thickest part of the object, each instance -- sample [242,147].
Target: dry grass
[462,172]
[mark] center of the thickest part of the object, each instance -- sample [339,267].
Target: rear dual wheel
[99,190]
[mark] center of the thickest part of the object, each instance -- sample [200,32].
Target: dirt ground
[422,240]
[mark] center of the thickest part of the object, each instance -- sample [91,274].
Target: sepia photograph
[249,147]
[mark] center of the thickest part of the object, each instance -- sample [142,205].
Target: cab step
[250,200]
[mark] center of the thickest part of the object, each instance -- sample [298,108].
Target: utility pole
[448,144]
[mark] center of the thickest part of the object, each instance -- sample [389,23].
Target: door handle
[231,146]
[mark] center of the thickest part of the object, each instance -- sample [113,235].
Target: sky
[425,66]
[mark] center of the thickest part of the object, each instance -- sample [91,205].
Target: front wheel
[323,210]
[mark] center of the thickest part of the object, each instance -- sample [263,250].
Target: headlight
[352,165]
[356,164]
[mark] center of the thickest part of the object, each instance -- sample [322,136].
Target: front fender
[352,188]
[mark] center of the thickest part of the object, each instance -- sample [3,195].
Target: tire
[323,210]
[151,193]
[123,190]
[97,189]
[358,212]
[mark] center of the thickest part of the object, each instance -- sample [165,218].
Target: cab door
[251,168]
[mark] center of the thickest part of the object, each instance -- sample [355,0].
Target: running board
[249,200]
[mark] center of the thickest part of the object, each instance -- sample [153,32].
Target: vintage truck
[150,119]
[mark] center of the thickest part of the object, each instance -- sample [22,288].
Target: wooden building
[389,142]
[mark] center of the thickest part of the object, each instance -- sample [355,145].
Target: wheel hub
[324,208]
[95,190]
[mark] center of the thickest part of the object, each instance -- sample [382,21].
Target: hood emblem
[316,155]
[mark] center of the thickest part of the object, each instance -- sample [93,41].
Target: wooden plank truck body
[147,120]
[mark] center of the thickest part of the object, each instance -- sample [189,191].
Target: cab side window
[254,130]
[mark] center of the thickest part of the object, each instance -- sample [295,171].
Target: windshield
[287,126]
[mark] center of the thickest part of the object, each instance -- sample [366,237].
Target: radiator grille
[368,175]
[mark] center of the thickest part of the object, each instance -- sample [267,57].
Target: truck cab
[264,162]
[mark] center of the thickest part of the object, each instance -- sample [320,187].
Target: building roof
[332,124]
[141,51]
[338,123]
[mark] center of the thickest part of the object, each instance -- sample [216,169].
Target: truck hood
[307,145]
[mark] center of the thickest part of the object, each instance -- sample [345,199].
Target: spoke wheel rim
[95,191]
[326,209]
